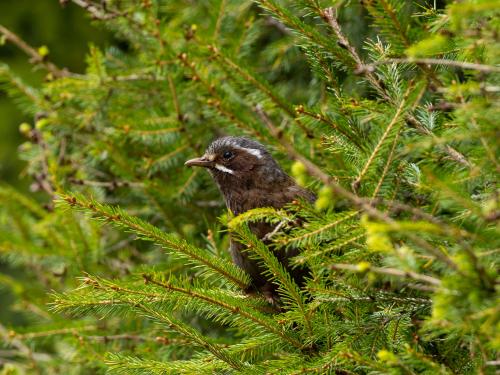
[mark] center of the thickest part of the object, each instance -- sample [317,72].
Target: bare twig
[277,24]
[329,15]
[390,272]
[106,184]
[33,53]
[123,336]
[96,12]
[458,64]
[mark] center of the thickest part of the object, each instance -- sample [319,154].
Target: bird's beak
[200,162]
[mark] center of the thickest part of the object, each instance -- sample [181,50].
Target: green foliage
[394,128]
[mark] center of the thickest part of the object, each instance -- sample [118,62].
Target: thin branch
[33,53]
[329,15]
[458,64]
[62,331]
[111,185]
[96,12]
[123,336]
[394,121]
[390,272]
[387,164]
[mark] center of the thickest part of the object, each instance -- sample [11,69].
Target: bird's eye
[227,155]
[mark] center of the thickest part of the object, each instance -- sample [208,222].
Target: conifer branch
[190,334]
[304,30]
[18,88]
[395,119]
[171,322]
[317,172]
[276,270]
[397,25]
[328,249]
[292,240]
[150,233]
[23,349]
[387,164]
[244,312]
[321,117]
[329,14]
[216,101]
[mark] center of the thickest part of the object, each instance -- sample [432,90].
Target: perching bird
[248,177]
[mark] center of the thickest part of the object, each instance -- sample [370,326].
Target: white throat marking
[223,169]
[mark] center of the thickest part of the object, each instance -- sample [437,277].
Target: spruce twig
[317,172]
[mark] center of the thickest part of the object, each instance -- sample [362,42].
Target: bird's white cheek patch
[223,169]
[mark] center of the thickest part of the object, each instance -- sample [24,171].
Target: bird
[248,177]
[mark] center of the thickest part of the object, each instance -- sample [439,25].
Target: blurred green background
[67,31]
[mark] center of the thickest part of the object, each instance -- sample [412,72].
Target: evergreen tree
[387,109]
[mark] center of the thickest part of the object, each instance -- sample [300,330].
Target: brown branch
[390,272]
[36,58]
[43,179]
[329,15]
[458,64]
[123,336]
[111,185]
[96,12]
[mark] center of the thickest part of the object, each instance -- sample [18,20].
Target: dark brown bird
[248,177]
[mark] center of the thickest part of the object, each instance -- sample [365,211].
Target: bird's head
[238,161]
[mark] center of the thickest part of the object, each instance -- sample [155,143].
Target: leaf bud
[363,266]
[387,356]
[40,124]
[43,51]
[325,198]
[25,129]
[298,169]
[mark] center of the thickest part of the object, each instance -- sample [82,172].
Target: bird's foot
[272,298]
